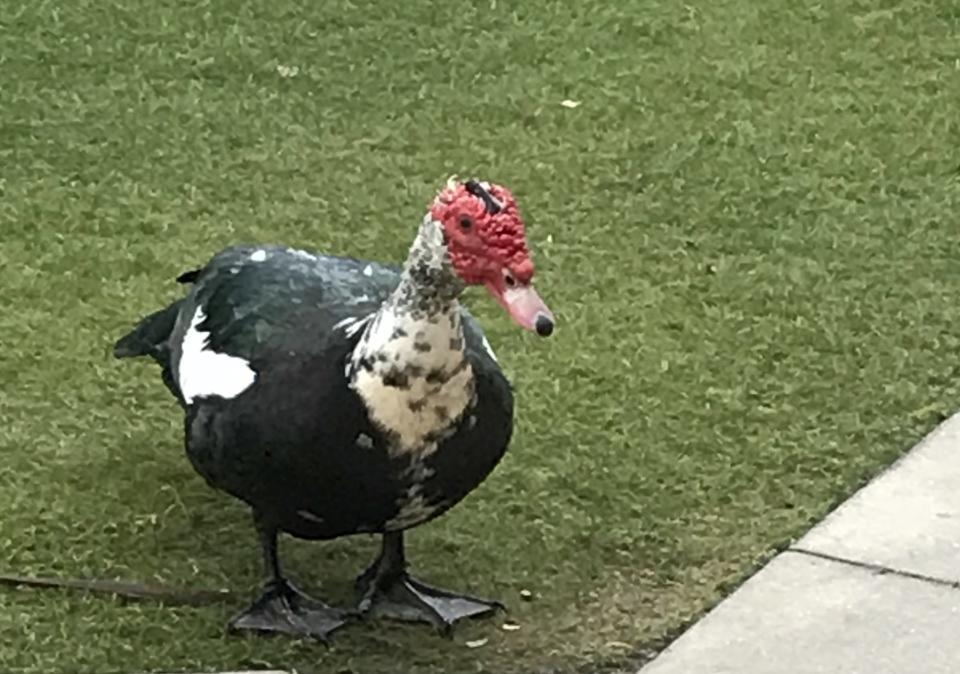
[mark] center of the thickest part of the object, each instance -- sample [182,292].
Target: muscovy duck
[337,396]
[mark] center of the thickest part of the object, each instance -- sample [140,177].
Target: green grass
[747,230]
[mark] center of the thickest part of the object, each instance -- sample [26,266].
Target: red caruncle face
[485,247]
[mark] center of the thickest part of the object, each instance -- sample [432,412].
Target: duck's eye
[509,279]
[466,222]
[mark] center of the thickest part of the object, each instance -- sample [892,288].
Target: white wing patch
[203,372]
[259,255]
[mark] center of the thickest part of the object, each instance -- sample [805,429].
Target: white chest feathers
[414,377]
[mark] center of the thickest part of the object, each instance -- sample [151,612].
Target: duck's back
[259,303]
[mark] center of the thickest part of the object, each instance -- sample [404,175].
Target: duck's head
[487,245]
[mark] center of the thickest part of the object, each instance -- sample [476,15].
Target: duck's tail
[149,337]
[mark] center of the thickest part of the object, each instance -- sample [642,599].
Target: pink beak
[526,308]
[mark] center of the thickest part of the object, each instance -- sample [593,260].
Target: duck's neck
[410,367]
[428,284]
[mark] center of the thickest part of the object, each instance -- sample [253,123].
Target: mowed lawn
[747,228]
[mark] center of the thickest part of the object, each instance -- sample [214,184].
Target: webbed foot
[387,590]
[282,608]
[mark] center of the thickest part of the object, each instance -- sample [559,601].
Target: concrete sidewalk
[873,589]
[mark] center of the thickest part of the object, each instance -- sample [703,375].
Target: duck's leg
[281,606]
[386,589]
